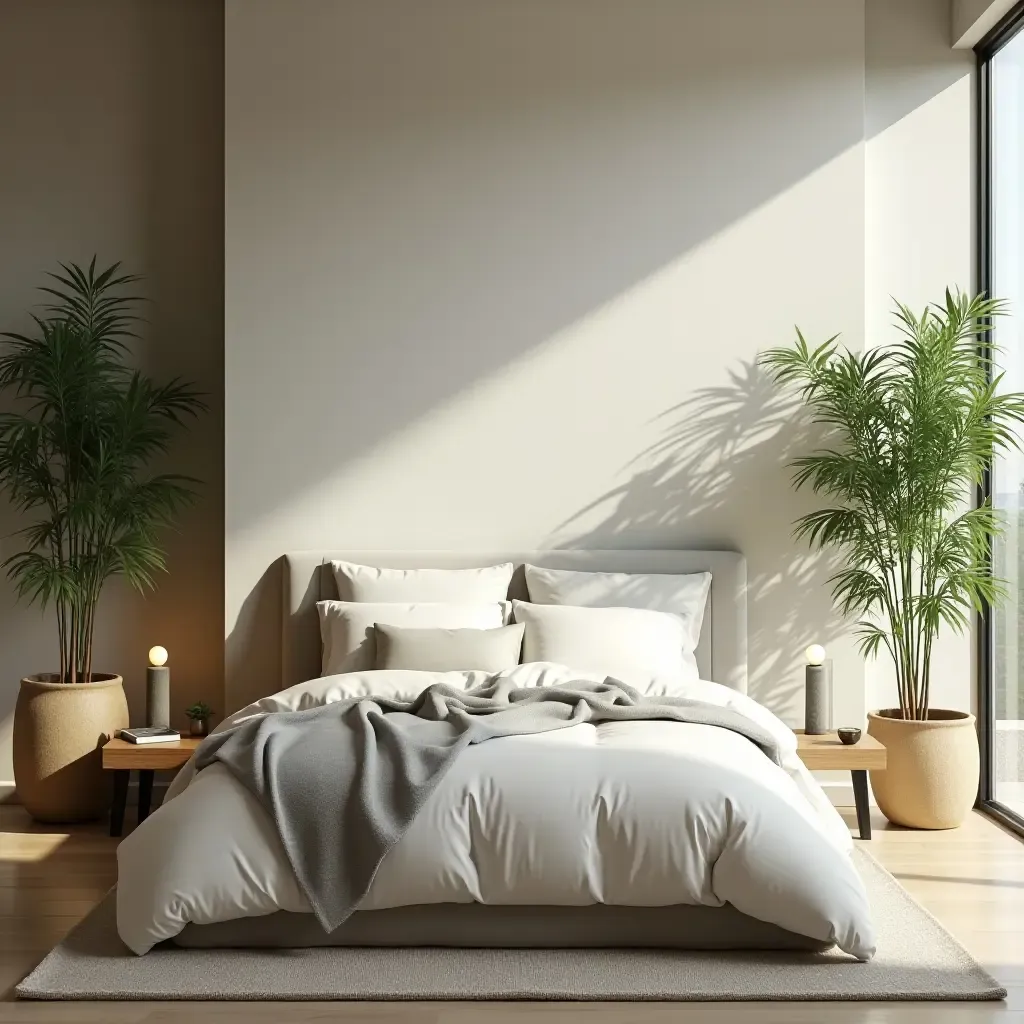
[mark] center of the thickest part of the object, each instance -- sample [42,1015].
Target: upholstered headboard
[721,654]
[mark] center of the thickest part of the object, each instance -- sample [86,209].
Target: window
[1001,268]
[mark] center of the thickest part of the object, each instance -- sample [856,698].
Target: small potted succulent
[199,718]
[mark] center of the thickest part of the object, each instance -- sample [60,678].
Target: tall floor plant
[913,425]
[76,443]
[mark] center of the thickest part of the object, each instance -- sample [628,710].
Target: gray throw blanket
[343,782]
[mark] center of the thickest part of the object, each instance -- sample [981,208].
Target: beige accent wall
[112,142]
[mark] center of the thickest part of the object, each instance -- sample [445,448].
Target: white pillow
[448,586]
[346,627]
[685,596]
[620,642]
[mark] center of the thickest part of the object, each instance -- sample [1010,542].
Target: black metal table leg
[145,792]
[121,778]
[860,797]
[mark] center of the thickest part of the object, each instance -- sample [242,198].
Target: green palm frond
[914,424]
[94,303]
[76,453]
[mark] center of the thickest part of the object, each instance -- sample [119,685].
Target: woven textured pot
[59,729]
[932,767]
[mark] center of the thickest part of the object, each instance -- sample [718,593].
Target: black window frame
[986,49]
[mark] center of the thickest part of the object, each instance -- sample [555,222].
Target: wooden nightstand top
[120,754]
[827,751]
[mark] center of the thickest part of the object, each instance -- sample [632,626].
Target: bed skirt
[474,925]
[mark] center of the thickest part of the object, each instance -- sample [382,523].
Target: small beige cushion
[448,650]
[346,628]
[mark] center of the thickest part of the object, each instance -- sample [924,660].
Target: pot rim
[956,719]
[47,681]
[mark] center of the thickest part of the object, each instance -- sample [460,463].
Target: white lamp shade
[815,654]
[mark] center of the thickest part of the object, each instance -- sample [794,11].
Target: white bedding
[628,813]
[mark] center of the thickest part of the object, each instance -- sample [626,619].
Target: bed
[695,840]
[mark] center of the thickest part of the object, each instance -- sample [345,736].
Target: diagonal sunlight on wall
[665,369]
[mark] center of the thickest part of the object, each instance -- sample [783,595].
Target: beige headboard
[721,654]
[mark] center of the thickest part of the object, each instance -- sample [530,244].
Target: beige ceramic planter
[59,729]
[931,774]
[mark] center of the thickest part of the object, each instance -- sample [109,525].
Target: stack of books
[150,734]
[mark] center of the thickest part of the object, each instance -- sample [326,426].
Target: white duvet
[627,813]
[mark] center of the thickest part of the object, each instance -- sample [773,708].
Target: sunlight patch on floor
[29,847]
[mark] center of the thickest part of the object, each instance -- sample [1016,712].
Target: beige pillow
[448,650]
[450,586]
[346,627]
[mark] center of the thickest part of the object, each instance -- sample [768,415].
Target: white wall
[111,129]
[919,218]
[972,19]
[497,274]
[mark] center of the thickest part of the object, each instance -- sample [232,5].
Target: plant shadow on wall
[718,476]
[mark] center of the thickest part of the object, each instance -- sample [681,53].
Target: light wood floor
[972,880]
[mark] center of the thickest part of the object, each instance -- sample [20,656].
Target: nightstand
[827,752]
[122,757]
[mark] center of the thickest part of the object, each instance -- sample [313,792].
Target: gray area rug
[917,959]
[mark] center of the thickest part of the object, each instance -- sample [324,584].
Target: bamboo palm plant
[79,429]
[913,425]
